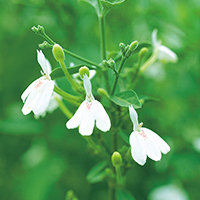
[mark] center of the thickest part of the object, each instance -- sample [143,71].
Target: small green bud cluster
[39,30]
[58,53]
[84,70]
[128,50]
[45,45]
[70,195]
[116,159]
[109,64]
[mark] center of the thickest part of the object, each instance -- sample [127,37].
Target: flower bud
[142,52]
[84,70]
[38,30]
[103,92]
[58,53]
[105,63]
[131,48]
[116,159]
[122,48]
[44,45]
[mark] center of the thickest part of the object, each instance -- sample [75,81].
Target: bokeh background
[41,159]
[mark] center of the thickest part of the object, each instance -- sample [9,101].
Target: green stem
[118,175]
[63,108]
[70,79]
[70,98]
[46,37]
[149,62]
[102,36]
[92,144]
[117,75]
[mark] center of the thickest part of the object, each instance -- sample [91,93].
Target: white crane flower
[165,55]
[37,96]
[145,142]
[88,112]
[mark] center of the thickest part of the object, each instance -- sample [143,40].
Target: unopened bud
[131,48]
[58,53]
[84,70]
[44,45]
[122,48]
[116,159]
[142,52]
[38,30]
[103,92]
[105,63]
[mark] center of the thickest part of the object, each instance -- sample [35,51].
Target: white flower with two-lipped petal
[164,54]
[39,93]
[145,142]
[88,112]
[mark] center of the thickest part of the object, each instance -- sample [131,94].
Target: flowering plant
[108,107]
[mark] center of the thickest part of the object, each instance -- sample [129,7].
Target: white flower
[164,54]
[89,111]
[145,142]
[38,94]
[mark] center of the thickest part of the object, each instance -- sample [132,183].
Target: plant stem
[92,144]
[117,75]
[63,108]
[69,78]
[118,175]
[46,37]
[102,36]
[149,62]
[70,98]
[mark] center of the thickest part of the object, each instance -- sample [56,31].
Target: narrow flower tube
[145,142]
[88,112]
[38,94]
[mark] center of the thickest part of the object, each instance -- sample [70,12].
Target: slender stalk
[46,37]
[63,108]
[70,98]
[118,175]
[69,78]
[150,61]
[102,36]
[117,75]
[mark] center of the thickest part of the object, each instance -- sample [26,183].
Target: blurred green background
[41,159]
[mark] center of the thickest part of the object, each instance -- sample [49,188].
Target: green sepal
[124,194]
[126,98]
[96,174]
[58,72]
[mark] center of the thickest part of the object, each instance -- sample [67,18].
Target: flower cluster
[40,98]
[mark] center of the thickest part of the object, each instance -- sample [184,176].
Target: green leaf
[144,98]
[107,5]
[58,72]
[124,194]
[140,46]
[95,174]
[127,98]
[94,4]
[124,136]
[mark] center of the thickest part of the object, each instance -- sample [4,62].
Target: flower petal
[44,63]
[134,117]
[87,85]
[154,38]
[162,145]
[102,119]
[42,98]
[166,54]
[29,89]
[151,147]
[138,151]
[87,123]
[75,121]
